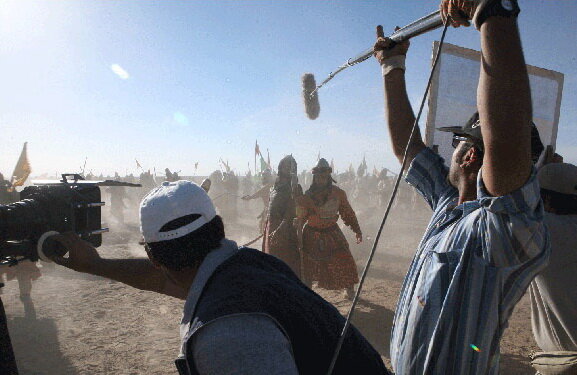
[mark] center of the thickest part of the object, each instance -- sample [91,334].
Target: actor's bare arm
[398,111]
[504,103]
[138,273]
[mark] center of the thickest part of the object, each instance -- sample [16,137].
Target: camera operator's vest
[253,282]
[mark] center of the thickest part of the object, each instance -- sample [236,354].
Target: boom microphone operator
[418,27]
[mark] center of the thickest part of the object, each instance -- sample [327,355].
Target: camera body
[50,208]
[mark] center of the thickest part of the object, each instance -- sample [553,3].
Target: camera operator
[246,312]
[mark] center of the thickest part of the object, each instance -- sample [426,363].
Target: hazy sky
[172,83]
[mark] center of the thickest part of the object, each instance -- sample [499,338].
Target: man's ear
[152,260]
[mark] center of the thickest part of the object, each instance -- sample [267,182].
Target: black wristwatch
[500,8]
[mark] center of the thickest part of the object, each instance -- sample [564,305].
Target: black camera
[53,207]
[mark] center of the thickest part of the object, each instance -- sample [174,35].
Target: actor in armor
[117,203]
[205,185]
[326,257]
[171,176]
[280,236]
[217,190]
[264,194]
[230,198]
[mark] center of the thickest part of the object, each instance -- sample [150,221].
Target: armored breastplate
[279,201]
[330,210]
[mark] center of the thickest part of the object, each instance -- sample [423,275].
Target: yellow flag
[22,169]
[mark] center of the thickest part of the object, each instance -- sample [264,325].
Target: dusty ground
[88,325]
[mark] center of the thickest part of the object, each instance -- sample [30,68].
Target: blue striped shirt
[472,266]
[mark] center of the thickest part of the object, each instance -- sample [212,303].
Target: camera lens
[21,220]
[51,247]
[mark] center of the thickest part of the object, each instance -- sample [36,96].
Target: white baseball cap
[559,177]
[171,201]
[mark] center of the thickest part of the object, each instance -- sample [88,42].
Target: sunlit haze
[172,83]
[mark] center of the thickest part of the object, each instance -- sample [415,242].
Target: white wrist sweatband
[394,62]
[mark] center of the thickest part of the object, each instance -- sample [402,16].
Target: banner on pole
[21,170]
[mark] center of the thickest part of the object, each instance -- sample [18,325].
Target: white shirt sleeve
[242,344]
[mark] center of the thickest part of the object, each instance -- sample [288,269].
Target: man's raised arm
[504,103]
[503,94]
[400,116]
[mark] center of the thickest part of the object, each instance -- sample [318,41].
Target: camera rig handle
[75,176]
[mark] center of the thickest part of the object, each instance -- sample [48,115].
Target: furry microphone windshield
[312,105]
